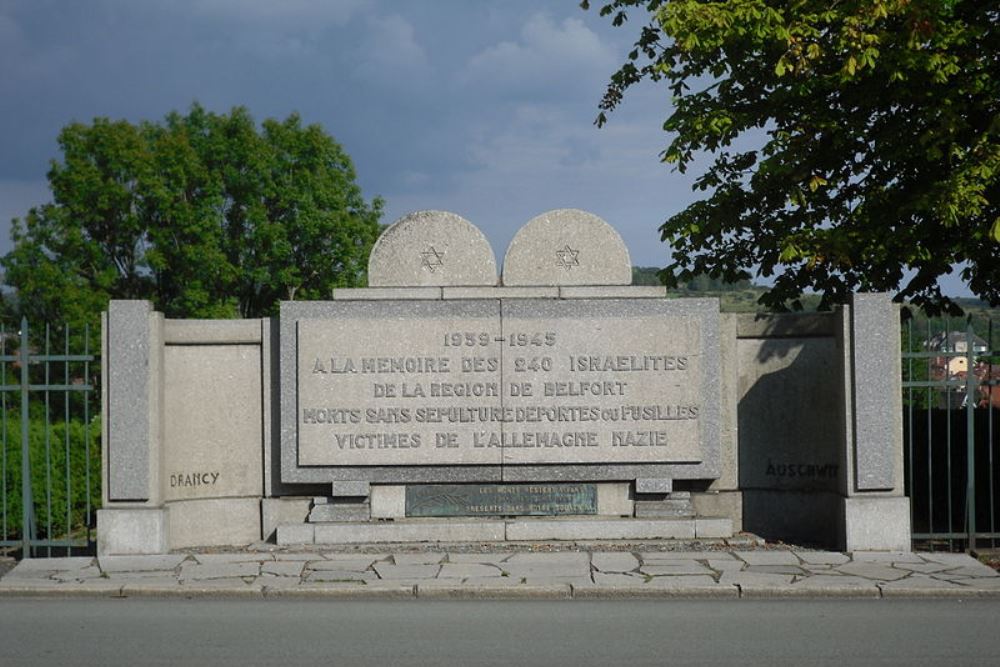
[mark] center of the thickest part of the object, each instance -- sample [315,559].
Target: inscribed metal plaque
[500,499]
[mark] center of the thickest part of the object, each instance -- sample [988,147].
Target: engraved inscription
[567,257]
[431,259]
[193,479]
[475,390]
[500,499]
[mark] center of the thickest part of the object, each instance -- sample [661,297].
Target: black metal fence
[951,415]
[49,440]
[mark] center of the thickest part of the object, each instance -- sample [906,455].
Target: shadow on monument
[790,425]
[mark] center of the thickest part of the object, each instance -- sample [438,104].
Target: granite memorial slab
[492,382]
[603,381]
[432,249]
[567,247]
[397,384]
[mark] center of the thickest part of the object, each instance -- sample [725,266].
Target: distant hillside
[743,297]
[740,297]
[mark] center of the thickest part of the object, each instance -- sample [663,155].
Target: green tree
[854,145]
[204,214]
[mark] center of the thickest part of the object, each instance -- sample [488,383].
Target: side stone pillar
[133,520]
[875,511]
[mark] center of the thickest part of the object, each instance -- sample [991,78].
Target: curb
[439,592]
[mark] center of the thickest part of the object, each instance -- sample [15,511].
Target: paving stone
[343,565]
[339,575]
[886,557]
[726,565]
[616,579]
[822,557]
[974,569]
[478,558]
[29,582]
[955,560]
[294,556]
[925,568]
[653,556]
[53,564]
[875,571]
[219,571]
[568,559]
[141,563]
[675,568]
[821,569]
[465,570]
[386,571]
[150,582]
[276,581]
[371,557]
[213,559]
[18,573]
[755,579]
[87,573]
[768,557]
[614,561]
[776,569]
[537,565]
[283,568]
[418,559]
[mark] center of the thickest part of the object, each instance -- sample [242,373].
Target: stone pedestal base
[876,524]
[574,529]
[131,532]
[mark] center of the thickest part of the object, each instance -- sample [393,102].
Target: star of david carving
[430,259]
[567,257]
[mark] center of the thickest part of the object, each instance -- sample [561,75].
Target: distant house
[956,341]
[953,363]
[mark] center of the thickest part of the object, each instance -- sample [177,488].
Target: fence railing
[951,399]
[49,440]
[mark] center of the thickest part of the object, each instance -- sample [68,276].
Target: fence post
[27,506]
[970,434]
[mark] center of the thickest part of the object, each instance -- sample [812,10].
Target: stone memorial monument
[557,403]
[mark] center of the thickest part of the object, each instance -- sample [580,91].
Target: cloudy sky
[482,108]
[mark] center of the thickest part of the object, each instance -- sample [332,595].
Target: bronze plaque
[536,499]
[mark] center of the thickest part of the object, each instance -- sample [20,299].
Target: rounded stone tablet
[432,249]
[567,247]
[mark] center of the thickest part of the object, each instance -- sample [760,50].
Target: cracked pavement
[595,573]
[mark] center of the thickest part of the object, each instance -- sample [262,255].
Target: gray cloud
[482,108]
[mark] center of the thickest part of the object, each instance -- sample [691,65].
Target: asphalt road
[306,632]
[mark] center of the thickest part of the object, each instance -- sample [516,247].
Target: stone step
[574,529]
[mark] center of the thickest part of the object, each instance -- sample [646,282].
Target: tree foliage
[851,145]
[204,214]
